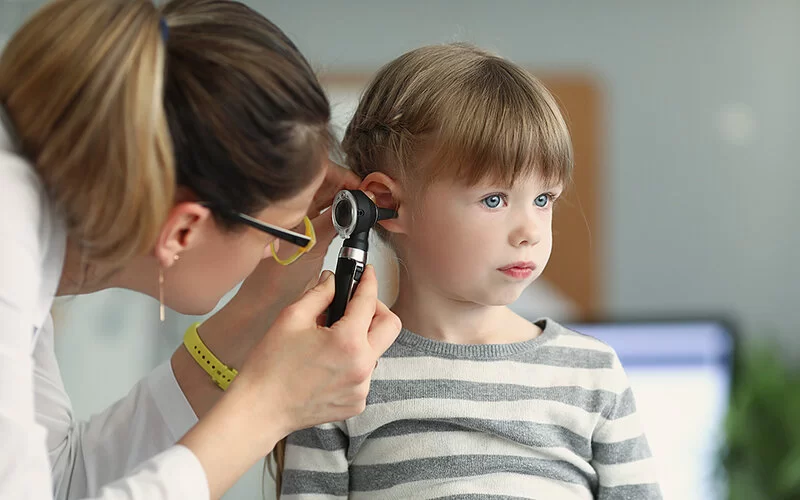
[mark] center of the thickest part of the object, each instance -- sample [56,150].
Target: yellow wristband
[219,371]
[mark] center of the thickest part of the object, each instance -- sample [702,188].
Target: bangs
[498,126]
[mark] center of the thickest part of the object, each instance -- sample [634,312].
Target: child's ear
[387,194]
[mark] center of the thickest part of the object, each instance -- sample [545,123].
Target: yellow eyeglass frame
[301,250]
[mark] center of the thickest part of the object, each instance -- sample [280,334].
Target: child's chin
[506,298]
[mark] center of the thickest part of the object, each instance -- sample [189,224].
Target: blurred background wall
[701,122]
[696,201]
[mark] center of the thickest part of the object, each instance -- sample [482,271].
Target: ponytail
[83,83]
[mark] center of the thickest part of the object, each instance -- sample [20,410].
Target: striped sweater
[548,418]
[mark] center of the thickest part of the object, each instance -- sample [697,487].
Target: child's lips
[518,270]
[519,265]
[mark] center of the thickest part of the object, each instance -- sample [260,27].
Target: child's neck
[426,312]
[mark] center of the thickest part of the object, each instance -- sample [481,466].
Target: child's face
[482,244]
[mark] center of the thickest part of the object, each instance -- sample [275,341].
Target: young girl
[472,401]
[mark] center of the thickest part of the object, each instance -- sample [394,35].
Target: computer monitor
[680,372]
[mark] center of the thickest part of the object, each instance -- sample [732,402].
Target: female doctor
[173,151]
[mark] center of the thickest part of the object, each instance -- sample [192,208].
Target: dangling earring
[161,292]
[161,311]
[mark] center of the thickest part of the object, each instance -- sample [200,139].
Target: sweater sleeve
[620,452]
[316,464]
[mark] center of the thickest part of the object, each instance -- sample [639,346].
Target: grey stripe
[631,492]
[479,496]
[569,357]
[593,401]
[529,434]
[630,450]
[295,482]
[624,406]
[320,439]
[384,476]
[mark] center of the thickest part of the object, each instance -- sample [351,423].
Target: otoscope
[354,214]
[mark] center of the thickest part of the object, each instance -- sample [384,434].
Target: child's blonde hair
[457,112]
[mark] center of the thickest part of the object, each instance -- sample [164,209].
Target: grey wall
[702,113]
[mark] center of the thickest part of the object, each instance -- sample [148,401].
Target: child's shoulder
[581,349]
[566,337]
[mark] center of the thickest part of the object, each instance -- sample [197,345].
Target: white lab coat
[127,452]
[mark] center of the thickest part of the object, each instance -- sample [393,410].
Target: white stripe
[639,472]
[581,342]
[495,484]
[312,459]
[621,429]
[493,372]
[332,425]
[540,411]
[437,444]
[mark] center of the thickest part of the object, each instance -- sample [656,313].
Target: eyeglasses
[304,241]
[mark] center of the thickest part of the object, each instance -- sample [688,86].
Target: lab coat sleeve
[23,460]
[126,452]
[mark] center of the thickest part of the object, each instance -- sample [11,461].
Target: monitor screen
[680,372]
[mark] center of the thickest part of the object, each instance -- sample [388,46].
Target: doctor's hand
[311,374]
[300,374]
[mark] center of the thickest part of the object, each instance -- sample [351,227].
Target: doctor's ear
[181,231]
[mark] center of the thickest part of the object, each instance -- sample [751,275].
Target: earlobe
[387,194]
[181,231]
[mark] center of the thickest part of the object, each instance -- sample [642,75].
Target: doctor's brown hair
[116,113]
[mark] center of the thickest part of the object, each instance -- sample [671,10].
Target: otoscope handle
[348,275]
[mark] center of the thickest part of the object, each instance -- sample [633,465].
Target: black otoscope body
[354,214]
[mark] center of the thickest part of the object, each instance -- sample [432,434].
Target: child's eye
[542,200]
[493,201]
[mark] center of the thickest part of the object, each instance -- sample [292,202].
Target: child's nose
[525,232]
